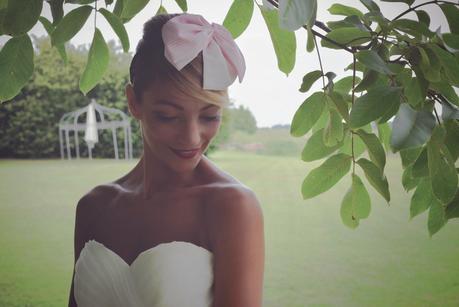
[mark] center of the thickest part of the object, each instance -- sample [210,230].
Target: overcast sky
[272,96]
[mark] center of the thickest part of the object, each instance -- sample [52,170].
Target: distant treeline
[29,123]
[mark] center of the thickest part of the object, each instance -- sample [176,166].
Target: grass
[312,259]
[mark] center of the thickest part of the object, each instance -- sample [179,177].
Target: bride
[176,231]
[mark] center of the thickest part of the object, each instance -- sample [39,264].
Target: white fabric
[173,274]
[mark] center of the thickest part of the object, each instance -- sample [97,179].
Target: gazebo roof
[69,121]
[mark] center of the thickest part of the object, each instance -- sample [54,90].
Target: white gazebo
[69,122]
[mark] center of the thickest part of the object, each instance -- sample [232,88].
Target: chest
[130,225]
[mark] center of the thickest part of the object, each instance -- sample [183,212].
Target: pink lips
[186,154]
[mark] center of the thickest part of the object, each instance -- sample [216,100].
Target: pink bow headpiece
[186,35]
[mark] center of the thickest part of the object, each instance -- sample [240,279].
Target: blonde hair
[149,67]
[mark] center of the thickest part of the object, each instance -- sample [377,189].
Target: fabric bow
[186,35]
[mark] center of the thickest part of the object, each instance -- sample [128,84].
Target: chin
[184,165]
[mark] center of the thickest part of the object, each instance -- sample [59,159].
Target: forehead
[171,98]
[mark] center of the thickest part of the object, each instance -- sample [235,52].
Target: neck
[157,177]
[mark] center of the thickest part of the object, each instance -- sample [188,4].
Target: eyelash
[169,119]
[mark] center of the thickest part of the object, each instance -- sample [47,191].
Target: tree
[243,120]
[400,68]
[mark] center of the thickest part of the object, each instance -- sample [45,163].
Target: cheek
[156,132]
[212,129]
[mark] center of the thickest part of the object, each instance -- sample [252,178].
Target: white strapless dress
[173,274]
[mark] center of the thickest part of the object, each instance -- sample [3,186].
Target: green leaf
[409,155]
[329,86]
[46,24]
[374,146]
[340,105]
[80,1]
[322,121]
[408,181]
[118,9]
[333,133]
[293,14]
[307,114]
[369,79]
[423,17]
[449,111]
[57,10]
[411,128]
[452,40]
[161,10]
[432,71]
[348,22]
[360,199]
[117,26]
[309,79]
[284,41]
[346,36]
[415,92]
[452,137]
[422,198]
[346,211]
[448,62]
[441,169]
[21,16]
[238,17]
[183,5]
[97,64]
[373,105]
[132,7]
[359,146]
[420,166]
[451,13]
[409,2]
[49,29]
[370,5]
[16,66]
[356,203]
[384,132]
[390,112]
[325,176]
[375,177]
[446,90]
[310,44]
[437,217]
[340,9]
[344,85]
[70,24]
[412,27]
[452,209]
[373,61]
[315,148]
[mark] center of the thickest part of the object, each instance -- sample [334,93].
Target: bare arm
[83,217]
[237,237]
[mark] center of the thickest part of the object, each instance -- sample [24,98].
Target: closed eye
[164,118]
[212,118]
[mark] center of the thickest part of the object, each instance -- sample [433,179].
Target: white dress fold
[173,274]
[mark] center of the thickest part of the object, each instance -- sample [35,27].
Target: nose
[190,134]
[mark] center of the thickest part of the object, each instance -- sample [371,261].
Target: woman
[176,230]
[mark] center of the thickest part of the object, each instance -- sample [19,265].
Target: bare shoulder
[232,207]
[95,200]
[236,232]
[233,196]
[89,208]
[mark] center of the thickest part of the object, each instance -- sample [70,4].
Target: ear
[133,104]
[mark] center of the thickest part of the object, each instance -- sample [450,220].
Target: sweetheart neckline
[151,249]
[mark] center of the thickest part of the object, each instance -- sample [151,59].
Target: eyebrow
[165,102]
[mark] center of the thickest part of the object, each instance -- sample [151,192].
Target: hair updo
[149,67]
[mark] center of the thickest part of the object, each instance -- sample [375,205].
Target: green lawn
[312,259]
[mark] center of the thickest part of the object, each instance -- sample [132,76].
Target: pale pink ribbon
[186,35]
